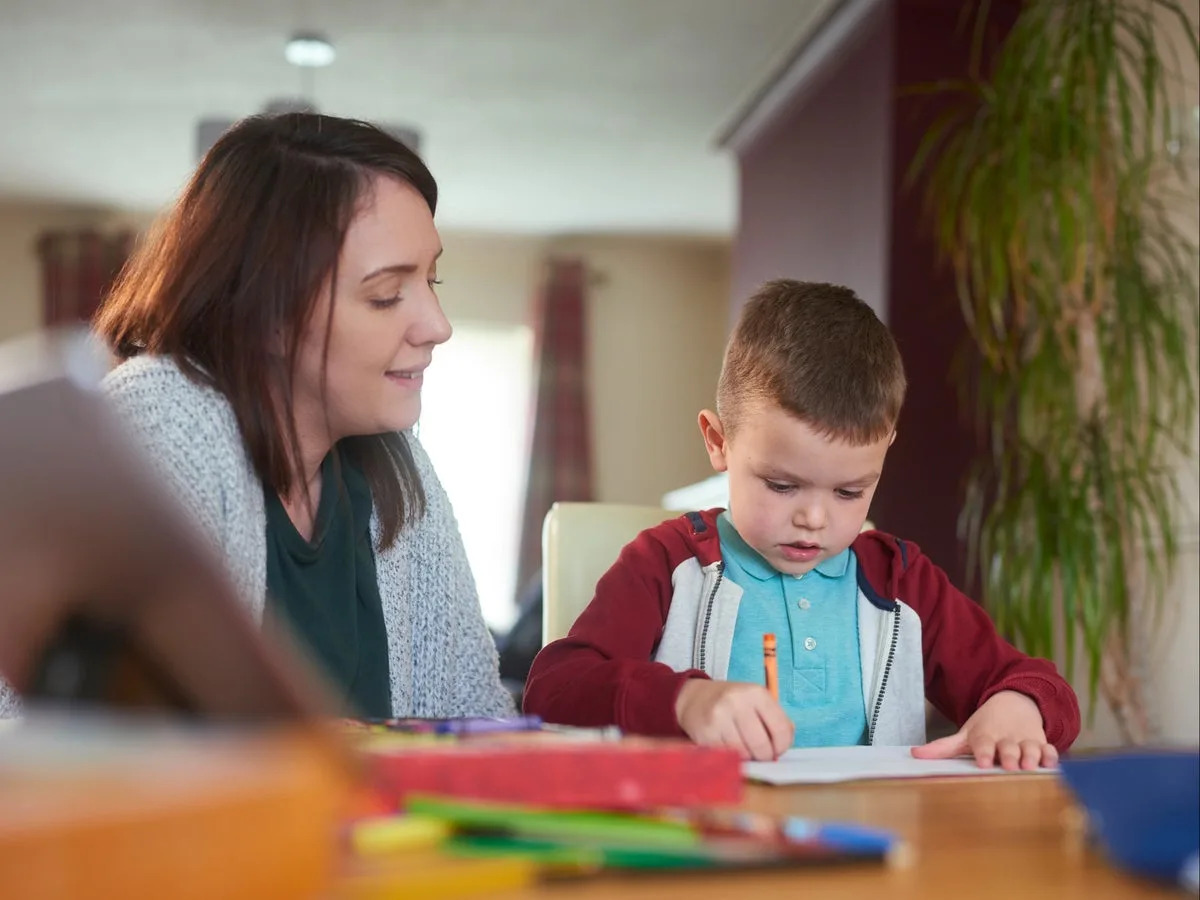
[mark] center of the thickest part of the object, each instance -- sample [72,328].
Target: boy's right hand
[734,714]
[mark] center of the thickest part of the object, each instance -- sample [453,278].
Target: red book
[629,774]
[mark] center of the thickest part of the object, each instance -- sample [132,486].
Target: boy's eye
[779,487]
[849,495]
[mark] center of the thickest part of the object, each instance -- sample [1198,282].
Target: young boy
[867,627]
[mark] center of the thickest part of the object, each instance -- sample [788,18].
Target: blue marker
[858,839]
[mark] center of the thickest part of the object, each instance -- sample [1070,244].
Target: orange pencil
[770,665]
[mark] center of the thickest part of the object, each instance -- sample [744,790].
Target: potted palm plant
[1051,184]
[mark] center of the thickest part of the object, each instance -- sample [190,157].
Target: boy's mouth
[800,551]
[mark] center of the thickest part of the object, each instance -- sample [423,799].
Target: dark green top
[327,592]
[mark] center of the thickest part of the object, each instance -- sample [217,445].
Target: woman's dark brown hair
[227,282]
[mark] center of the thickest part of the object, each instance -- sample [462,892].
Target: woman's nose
[433,327]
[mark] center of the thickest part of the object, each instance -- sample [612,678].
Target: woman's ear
[715,443]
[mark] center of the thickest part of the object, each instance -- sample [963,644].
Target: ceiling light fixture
[309,50]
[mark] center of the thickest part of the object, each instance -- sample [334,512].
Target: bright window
[474,425]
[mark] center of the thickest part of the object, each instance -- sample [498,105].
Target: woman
[275,330]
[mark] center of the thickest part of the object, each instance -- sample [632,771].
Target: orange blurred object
[125,810]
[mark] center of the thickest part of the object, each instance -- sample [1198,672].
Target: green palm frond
[1049,193]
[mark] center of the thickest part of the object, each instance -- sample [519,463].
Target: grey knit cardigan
[442,658]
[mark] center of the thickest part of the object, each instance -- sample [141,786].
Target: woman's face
[386,321]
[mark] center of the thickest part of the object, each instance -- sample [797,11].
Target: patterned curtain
[560,457]
[78,268]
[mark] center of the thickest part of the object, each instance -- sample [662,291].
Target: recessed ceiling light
[309,50]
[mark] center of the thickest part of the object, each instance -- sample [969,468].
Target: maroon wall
[923,490]
[823,198]
[814,188]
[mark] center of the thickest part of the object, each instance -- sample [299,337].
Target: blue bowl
[1143,807]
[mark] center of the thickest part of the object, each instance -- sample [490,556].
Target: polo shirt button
[810,643]
[804,604]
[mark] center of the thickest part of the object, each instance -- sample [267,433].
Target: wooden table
[970,839]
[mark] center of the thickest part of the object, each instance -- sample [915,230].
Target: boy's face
[795,496]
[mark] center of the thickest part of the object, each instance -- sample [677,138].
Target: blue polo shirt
[815,620]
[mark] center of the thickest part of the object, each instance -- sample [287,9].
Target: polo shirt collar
[752,562]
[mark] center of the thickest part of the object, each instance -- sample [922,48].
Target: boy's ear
[714,439]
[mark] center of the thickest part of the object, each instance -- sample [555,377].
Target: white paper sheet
[829,765]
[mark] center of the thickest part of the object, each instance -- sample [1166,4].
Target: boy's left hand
[1008,727]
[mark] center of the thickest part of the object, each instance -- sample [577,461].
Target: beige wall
[1175,647]
[656,318]
[1173,677]
[489,278]
[658,312]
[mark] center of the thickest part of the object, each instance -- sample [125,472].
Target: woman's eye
[385,302]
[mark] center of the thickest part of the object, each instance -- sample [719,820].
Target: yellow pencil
[386,835]
[770,665]
[431,876]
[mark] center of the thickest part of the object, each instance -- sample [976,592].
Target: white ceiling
[535,115]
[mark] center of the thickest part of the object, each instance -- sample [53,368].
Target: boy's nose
[810,516]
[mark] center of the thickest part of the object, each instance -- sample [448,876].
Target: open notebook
[829,765]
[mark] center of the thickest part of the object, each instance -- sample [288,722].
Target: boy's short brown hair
[820,353]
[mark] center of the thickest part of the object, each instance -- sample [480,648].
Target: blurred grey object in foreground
[107,595]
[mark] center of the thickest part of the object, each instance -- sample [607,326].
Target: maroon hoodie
[664,613]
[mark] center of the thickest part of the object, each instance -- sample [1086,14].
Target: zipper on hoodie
[887,669]
[708,610]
